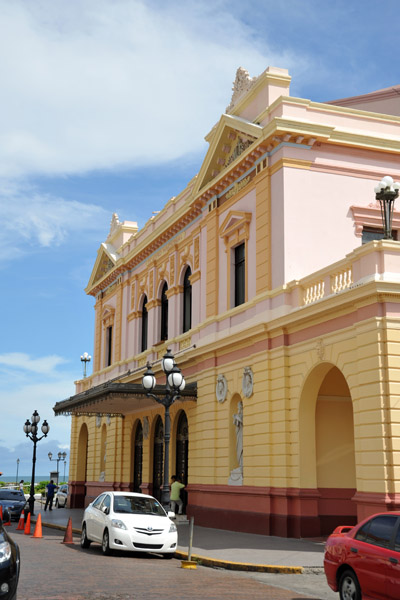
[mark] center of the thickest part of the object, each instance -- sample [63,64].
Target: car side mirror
[106,510]
[171,514]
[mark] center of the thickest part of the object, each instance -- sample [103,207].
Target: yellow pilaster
[212,264]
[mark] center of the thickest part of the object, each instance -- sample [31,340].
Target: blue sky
[104,108]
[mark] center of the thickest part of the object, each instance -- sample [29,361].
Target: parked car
[61,496]
[12,501]
[129,521]
[364,561]
[9,565]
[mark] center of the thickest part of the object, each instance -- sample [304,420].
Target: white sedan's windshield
[137,506]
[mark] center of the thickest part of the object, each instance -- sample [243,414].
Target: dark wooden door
[182,453]
[138,459]
[158,456]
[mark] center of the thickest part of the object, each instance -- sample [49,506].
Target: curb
[206,561]
[216,563]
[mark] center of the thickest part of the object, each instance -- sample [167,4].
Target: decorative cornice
[370,216]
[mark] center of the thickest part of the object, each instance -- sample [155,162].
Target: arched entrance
[137,458]
[158,456]
[78,492]
[327,454]
[182,452]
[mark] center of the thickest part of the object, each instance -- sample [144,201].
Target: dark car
[12,501]
[364,561]
[9,565]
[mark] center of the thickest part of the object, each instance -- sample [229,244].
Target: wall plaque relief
[221,389]
[320,348]
[247,382]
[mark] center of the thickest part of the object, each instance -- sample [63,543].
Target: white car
[61,496]
[129,521]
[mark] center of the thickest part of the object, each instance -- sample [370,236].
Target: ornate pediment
[105,263]
[231,138]
[235,227]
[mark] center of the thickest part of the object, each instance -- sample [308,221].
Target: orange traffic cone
[27,530]
[38,529]
[21,522]
[7,523]
[68,533]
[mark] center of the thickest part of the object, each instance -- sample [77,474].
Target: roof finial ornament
[114,224]
[242,84]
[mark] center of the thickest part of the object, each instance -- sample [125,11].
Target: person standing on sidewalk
[176,487]
[51,488]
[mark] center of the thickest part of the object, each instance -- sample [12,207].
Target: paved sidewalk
[225,549]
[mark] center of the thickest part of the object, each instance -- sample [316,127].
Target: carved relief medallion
[221,389]
[247,382]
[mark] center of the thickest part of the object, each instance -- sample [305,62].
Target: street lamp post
[175,383]
[16,478]
[31,431]
[60,456]
[386,193]
[85,358]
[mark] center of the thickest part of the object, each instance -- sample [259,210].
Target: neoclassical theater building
[268,279]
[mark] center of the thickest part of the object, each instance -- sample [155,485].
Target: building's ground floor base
[285,512]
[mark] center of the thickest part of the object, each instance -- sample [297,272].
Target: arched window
[143,345]
[187,301]
[164,313]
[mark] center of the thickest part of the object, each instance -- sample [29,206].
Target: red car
[364,561]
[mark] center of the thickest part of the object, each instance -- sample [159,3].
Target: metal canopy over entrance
[115,399]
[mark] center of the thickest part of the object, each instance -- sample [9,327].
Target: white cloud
[99,83]
[30,384]
[30,219]
[23,362]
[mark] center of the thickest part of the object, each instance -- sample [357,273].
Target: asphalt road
[51,570]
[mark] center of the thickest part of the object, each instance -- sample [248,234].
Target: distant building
[267,279]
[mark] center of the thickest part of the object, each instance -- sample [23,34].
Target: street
[51,570]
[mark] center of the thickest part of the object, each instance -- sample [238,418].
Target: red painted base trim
[284,512]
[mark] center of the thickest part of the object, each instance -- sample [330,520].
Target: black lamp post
[31,430]
[175,383]
[386,192]
[60,456]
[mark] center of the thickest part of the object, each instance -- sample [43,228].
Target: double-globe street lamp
[60,456]
[85,358]
[386,193]
[175,383]
[31,430]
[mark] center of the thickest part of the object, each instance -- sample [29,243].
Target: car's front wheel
[105,545]
[85,542]
[56,504]
[349,588]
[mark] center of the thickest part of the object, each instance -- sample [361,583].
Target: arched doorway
[327,452]
[158,458]
[182,453]
[78,492]
[137,458]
